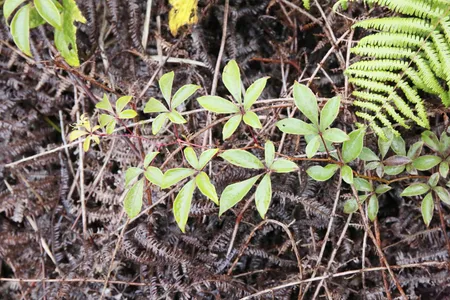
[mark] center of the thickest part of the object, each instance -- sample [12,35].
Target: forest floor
[46,252]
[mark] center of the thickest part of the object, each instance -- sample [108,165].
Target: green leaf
[149,158]
[191,157]
[385,144]
[347,174]
[158,123]
[121,103]
[218,105]
[206,187]
[443,194]
[105,104]
[154,106]
[49,12]
[296,126]
[173,176]
[20,29]
[176,117]
[433,180]
[234,193]
[373,165]
[382,188]
[430,139]
[426,162]
[9,7]
[242,158]
[110,127]
[127,114]
[329,112]
[283,166]
[230,126]
[353,147]
[398,145]
[252,119]
[362,185]
[131,174]
[35,18]
[269,153]
[368,155]
[87,143]
[66,38]
[415,150]
[133,200]
[183,94]
[263,195]
[254,91]
[306,102]
[443,169]
[312,146]
[335,135]
[231,78]
[205,157]
[154,175]
[415,189]
[393,170]
[427,209]
[351,206]
[105,119]
[75,134]
[320,173]
[182,204]
[372,208]
[165,85]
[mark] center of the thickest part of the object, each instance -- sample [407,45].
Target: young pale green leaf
[231,78]
[283,166]
[183,94]
[105,104]
[443,169]
[127,114]
[234,193]
[205,157]
[430,139]
[263,195]
[48,10]
[269,153]
[335,135]
[191,157]
[76,134]
[372,208]
[154,106]
[218,105]
[353,147]
[20,29]
[165,85]
[368,155]
[252,120]
[10,6]
[312,146]
[175,175]
[242,158]
[176,118]
[385,144]
[393,170]
[182,204]
[347,174]
[206,187]
[443,194]
[382,188]
[351,206]
[329,112]
[415,189]
[158,123]
[433,180]
[427,209]
[133,200]
[415,150]
[306,102]
[149,158]
[105,119]
[398,145]
[426,162]
[110,127]
[131,174]
[87,143]
[320,173]
[154,175]
[254,91]
[296,126]
[362,185]
[121,103]
[230,126]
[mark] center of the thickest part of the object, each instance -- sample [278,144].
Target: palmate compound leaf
[263,195]
[206,187]
[205,157]
[182,204]
[231,78]
[254,91]
[296,126]
[105,104]
[175,175]
[230,126]
[234,193]
[175,117]
[218,105]
[242,158]
[133,200]
[154,106]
